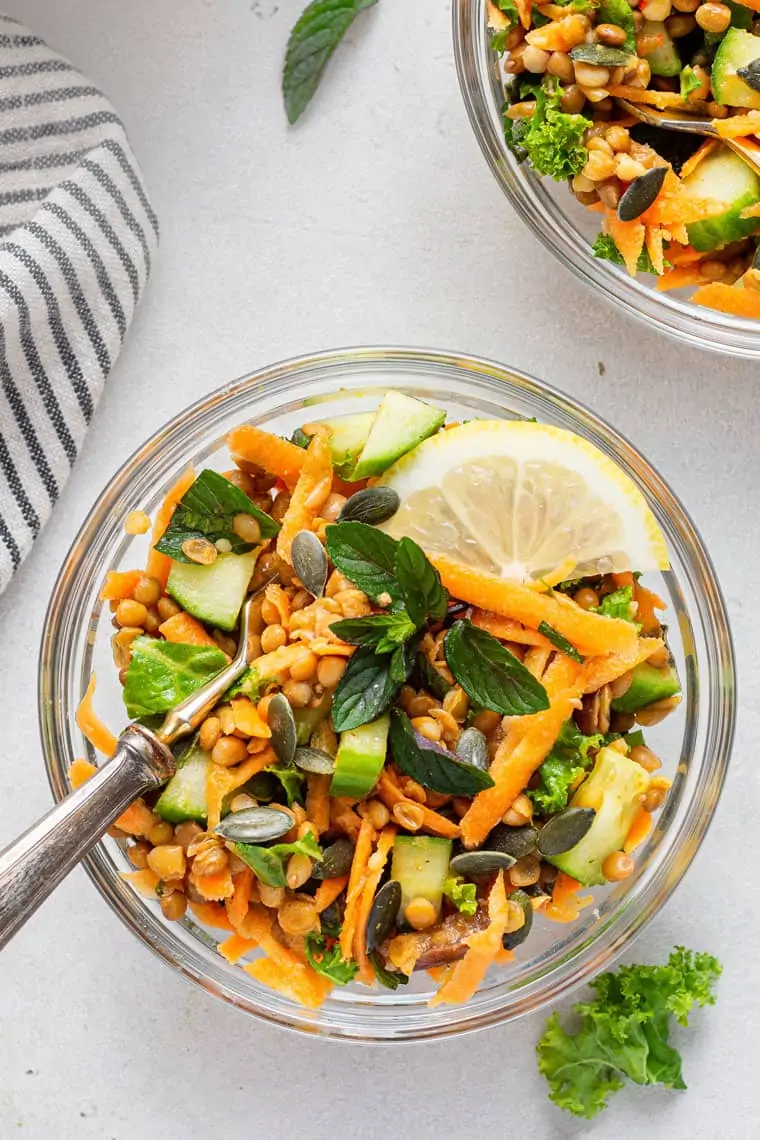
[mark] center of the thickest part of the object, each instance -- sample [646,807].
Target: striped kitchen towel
[77,238]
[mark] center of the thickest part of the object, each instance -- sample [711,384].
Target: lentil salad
[418,761]
[683,208]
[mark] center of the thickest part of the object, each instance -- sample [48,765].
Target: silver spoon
[692,125]
[32,866]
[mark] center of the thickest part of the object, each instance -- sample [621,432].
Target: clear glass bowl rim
[186,431]
[483,98]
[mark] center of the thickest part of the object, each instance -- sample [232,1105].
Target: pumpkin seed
[510,941]
[282,724]
[751,74]
[335,861]
[255,825]
[641,194]
[314,760]
[563,831]
[514,841]
[309,560]
[264,787]
[600,55]
[472,747]
[382,917]
[480,864]
[373,505]
[755,265]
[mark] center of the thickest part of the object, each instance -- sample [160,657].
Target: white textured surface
[375,220]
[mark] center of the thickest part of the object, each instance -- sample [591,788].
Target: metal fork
[34,865]
[692,125]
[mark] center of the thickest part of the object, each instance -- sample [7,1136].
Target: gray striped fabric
[77,237]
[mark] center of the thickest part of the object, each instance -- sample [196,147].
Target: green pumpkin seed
[600,56]
[383,916]
[335,861]
[510,941]
[309,560]
[255,825]
[641,194]
[282,724]
[264,787]
[372,505]
[563,831]
[751,74]
[514,841]
[472,747]
[314,760]
[480,864]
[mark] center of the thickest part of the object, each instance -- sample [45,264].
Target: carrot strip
[729,299]
[565,906]
[739,125]
[318,801]
[235,948]
[660,99]
[535,660]
[211,914]
[220,782]
[691,164]
[276,456]
[187,630]
[482,949]
[237,907]
[638,831]
[684,255]
[309,495]
[507,630]
[90,724]
[750,212]
[604,670]
[647,603]
[628,237]
[248,719]
[216,887]
[307,988]
[436,824]
[160,564]
[655,248]
[80,771]
[144,882]
[591,633]
[328,891]
[356,880]
[680,276]
[119,584]
[379,859]
[137,820]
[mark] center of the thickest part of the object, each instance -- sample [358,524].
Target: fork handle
[32,866]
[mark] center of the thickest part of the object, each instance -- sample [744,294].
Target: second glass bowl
[694,743]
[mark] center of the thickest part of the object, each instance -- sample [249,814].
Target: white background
[375,220]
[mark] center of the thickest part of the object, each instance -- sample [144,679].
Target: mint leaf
[163,673]
[491,676]
[420,583]
[559,642]
[365,690]
[291,780]
[317,33]
[403,659]
[431,678]
[268,863]
[367,557]
[381,632]
[329,961]
[431,767]
[207,510]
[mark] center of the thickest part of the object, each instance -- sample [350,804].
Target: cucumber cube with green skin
[647,686]
[420,864]
[214,593]
[724,177]
[360,758]
[401,423]
[184,797]
[613,790]
[737,49]
[664,60]
[348,435]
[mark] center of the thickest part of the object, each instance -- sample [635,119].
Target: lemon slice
[519,499]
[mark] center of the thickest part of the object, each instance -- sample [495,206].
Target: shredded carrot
[684,255]
[655,248]
[159,564]
[186,630]
[324,648]
[248,719]
[91,726]
[729,299]
[80,772]
[600,671]
[591,633]
[144,882]
[504,957]
[275,594]
[535,660]
[276,456]
[220,782]
[356,880]
[680,277]
[524,9]
[343,817]
[507,630]
[211,914]
[753,4]
[691,164]
[647,603]
[309,495]
[216,887]
[565,887]
[119,584]
[432,822]
[660,99]
[628,237]
[318,801]
[303,986]
[737,126]
[441,974]
[237,907]
[328,891]
[235,948]
[750,212]
[638,831]
[558,35]
[375,873]
[137,820]
[482,949]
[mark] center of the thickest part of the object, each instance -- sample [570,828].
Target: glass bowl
[560,222]
[694,743]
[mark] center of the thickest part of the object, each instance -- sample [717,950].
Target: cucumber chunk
[648,685]
[401,423]
[421,865]
[612,790]
[724,177]
[214,593]
[184,797]
[348,435]
[664,60]
[737,49]
[360,759]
